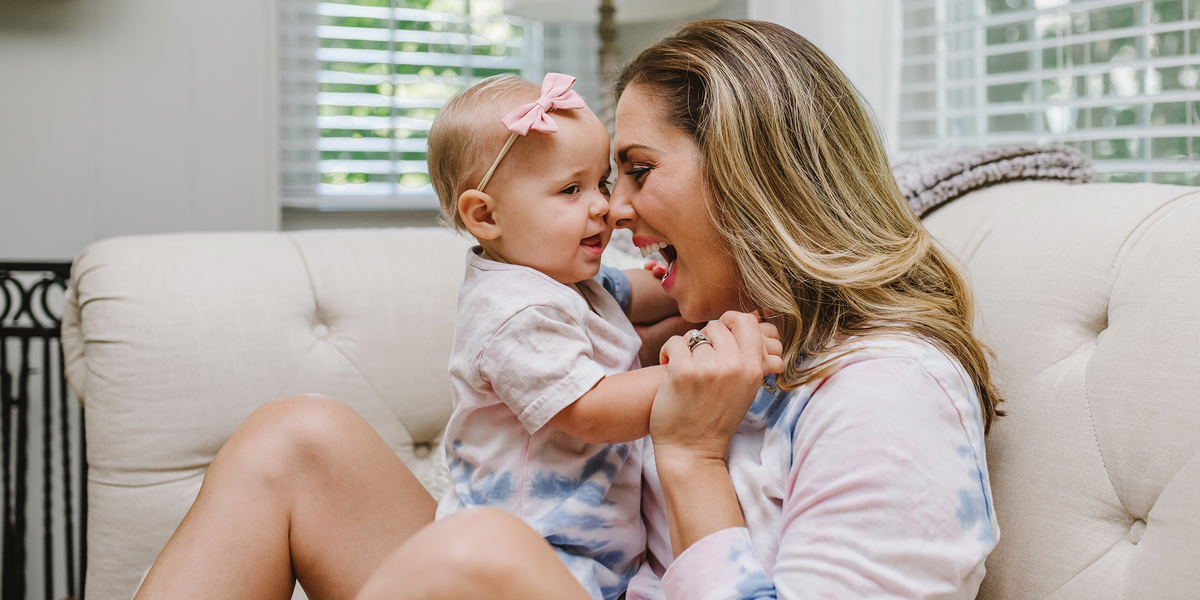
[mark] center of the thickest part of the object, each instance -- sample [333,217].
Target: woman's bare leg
[474,554]
[304,486]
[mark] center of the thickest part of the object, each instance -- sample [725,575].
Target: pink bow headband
[556,94]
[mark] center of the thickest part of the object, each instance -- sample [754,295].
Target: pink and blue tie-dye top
[869,483]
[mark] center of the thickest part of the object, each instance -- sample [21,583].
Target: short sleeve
[616,283]
[539,362]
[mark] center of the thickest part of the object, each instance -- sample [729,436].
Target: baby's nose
[599,206]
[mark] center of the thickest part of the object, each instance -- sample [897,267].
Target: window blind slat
[1117,79]
[1081,71]
[361,84]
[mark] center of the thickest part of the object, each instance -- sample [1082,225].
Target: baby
[550,407]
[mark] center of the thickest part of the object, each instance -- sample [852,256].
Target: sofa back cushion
[1090,297]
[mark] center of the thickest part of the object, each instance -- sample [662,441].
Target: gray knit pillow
[931,178]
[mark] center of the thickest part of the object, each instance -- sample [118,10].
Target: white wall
[134,116]
[861,36]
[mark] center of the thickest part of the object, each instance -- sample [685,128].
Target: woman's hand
[707,390]
[699,405]
[655,335]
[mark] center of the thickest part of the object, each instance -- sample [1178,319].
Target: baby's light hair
[467,135]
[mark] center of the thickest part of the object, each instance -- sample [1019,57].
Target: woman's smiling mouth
[649,246]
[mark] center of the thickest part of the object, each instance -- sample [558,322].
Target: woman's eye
[638,173]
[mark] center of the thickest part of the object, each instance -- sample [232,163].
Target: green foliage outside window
[386,66]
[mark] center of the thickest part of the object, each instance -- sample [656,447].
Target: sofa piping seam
[1087,398]
[379,396]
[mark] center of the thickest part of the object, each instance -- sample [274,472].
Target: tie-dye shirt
[525,347]
[869,483]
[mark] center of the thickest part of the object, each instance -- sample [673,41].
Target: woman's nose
[620,210]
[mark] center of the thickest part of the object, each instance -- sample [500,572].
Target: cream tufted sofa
[1090,296]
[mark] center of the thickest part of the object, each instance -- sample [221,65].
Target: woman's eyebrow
[623,153]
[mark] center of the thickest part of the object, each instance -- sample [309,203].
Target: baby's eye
[605,187]
[570,190]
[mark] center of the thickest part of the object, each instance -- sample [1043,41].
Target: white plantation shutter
[1116,79]
[361,81]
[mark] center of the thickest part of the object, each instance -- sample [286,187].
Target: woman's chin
[695,314]
[705,309]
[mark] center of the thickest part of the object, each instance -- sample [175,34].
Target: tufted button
[1135,532]
[321,330]
[421,450]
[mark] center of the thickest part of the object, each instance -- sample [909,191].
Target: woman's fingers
[654,335]
[705,393]
[772,345]
[756,339]
[746,331]
[772,349]
[674,346]
[772,364]
[769,330]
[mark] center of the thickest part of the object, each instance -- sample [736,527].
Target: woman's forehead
[642,125]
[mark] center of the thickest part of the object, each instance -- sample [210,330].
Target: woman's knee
[293,433]
[473,553]
[469,541]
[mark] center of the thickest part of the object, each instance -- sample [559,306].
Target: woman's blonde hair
[467,135]
[800,187]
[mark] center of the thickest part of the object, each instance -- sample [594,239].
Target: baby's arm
[615,410]
[648,303]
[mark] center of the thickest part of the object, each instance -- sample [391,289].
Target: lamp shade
[588,11]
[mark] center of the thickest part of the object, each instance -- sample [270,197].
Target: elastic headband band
[556,94]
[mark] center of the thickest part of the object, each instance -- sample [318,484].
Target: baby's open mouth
[593,241]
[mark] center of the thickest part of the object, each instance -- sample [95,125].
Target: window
[361,81]
[1116,79]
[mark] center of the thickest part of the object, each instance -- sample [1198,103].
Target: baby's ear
[477,211]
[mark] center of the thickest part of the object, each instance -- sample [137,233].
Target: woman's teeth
[652,248]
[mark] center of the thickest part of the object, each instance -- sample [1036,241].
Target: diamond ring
[695,338]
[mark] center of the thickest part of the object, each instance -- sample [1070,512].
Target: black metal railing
[44,470]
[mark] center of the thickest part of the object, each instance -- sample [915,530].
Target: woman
[744,148]
[857,472]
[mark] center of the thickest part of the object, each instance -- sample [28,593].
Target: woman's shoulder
[883,354]
[901,380]
[865,379]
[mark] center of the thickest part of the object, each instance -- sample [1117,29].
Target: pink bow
[556,93]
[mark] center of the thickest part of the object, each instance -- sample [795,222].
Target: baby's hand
[658,269]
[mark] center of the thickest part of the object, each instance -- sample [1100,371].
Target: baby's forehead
[581,139]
